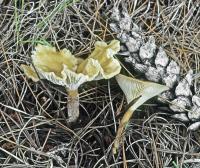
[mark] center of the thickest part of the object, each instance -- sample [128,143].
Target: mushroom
[63,68]
[104,54]
[134,89]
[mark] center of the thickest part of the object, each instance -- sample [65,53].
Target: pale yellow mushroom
[63,68]
[134,89]
[104,54]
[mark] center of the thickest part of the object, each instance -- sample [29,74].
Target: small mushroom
[62,68]
[134,89]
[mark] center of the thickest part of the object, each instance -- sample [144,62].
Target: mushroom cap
[134,88]
[61,67]
[30,72]
[47,59]
[104,54]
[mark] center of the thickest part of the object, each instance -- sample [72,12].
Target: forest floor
[34,131]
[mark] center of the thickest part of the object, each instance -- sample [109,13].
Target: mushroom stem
[73,105]
[121,129]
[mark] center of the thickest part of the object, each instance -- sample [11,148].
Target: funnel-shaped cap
[134,88]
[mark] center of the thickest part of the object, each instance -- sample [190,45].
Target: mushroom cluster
[63,68]
[153,63]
